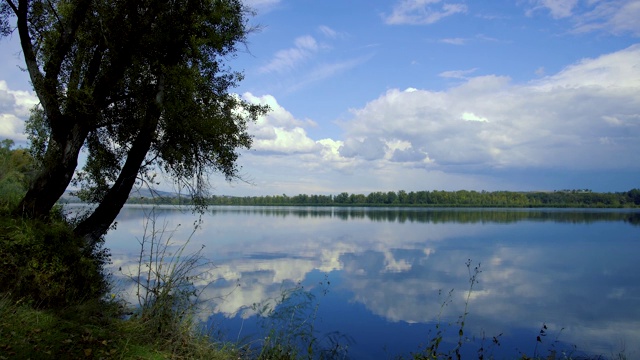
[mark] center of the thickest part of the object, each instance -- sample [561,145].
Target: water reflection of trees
[434,216]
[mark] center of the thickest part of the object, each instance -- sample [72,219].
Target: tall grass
[168,290]
[289,328]
[434,348]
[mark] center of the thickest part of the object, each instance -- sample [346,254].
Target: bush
[43,262]
[16,169]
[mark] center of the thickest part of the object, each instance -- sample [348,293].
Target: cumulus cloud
[14,110]
[408,155]
[585,117]
[279,131]
[278,115]
[610,71]
[369,148]
[422,12]
[557,121]
[287,141]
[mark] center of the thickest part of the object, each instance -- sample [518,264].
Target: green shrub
[16,169]
[43,262]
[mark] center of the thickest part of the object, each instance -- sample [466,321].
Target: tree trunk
[60,163]
[98,223]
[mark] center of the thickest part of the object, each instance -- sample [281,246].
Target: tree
[16,167]
[140,85]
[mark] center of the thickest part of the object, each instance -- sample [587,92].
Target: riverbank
[93,330]
[56,303]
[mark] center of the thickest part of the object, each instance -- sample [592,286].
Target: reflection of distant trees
[405,214]
[422,215]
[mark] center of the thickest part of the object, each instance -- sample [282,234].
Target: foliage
[44,263]
[54,304]
[16,169]
[461,198]
[91,330]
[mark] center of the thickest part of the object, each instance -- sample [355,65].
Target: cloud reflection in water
[570,269]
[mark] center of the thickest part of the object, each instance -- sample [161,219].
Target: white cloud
[408,155]
[616,16]
[457,74]
[287,141]
[11,127]
[613,16]
[557,8]
[616,70]
[469,116]
[454,41]
[295,61]
[279,131]
[261,4]
[288,59]
[327,31]
[327,70]
[277,116]
[557,121]
[421,12]
[15,106]
[370,148]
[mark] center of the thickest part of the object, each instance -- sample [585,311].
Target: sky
[372,95]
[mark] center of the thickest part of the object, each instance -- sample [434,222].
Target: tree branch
[55,14]
[12,6]
[22,12]
[53,66]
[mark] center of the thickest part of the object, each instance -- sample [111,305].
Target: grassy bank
[55,303]
[90,330]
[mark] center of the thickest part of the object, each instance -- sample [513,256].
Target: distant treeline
[463,198]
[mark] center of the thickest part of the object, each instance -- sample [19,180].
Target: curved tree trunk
[98,223]
[60,163]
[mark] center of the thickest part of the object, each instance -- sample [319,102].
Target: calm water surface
[381,276]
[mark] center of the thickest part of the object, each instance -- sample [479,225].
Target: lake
[381,278]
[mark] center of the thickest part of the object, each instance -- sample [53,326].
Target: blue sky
[429,95]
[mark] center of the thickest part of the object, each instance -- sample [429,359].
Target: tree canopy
[141,85]
[461,198]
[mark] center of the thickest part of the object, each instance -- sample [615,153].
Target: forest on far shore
[462,198]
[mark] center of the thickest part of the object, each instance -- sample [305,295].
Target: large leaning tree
[140,85]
